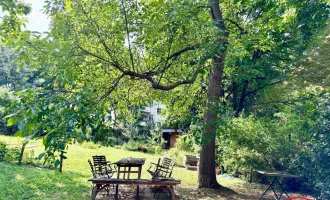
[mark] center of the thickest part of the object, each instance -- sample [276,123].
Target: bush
[89,145]
[28,156]
[184,143]
[155,149]
[156,137]
[13,154]
[6,97]
[174,153]
[158,150]
[3,150]
[132,145]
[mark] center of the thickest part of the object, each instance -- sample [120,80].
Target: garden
[240,87]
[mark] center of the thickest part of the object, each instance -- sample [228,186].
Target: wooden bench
[100,183]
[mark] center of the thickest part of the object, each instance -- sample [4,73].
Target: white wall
[152,109]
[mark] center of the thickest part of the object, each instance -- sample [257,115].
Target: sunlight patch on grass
[19,177]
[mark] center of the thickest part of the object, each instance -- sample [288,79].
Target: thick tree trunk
[206,173]
[206,176]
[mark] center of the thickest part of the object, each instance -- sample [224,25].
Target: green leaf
[41,155]
[21,125]
[19,133]
[11,115]
[57,163]
[12,121]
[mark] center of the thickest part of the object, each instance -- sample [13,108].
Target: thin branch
[242,30]
[128,35]
[113,87]
[258,89]
[175,55]
[98,30]
[232,90]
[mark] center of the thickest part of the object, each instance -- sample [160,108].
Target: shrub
[131,145]
[156,137]
[89,145]
[174,153]
[28,156]
[154,149]
[3,150]
[158,150]
[13,154]
[184,143]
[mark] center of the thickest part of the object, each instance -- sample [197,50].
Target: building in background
[153,115]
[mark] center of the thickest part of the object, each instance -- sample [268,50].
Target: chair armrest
[154,163]
[112,166]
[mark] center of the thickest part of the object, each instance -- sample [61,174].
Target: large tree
[114,52]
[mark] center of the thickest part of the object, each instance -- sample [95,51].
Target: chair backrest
[167,168]
[166,162]
[99,160]
[92,168]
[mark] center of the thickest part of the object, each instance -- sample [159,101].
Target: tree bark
[206,173]
[207,176]
[22,153]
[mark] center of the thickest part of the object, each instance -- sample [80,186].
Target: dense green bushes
[295,138]
[3,150]
[186,143]
[6,97]
[142,145]
[8,154]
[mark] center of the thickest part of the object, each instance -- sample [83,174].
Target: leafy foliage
[6,98]
[38,117]
[12,19]
[10,75]
[3,150]
[13,154]
[105,54]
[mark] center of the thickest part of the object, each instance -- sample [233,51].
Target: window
[159,110]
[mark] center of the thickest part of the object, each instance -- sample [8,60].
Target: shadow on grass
[28,182]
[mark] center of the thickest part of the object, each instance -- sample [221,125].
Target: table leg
[139,177]
[118,176]
[129,172]
[172,193]
[282,189]
[271,184]
[95,191]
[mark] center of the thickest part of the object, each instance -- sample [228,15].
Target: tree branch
[128,35]
[258,89]
[242,31]
[115,84]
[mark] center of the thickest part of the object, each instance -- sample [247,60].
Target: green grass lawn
[78,157]
[28,182]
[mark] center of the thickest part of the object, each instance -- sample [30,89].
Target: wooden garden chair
[99,174]
[103,168]
[161,169]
